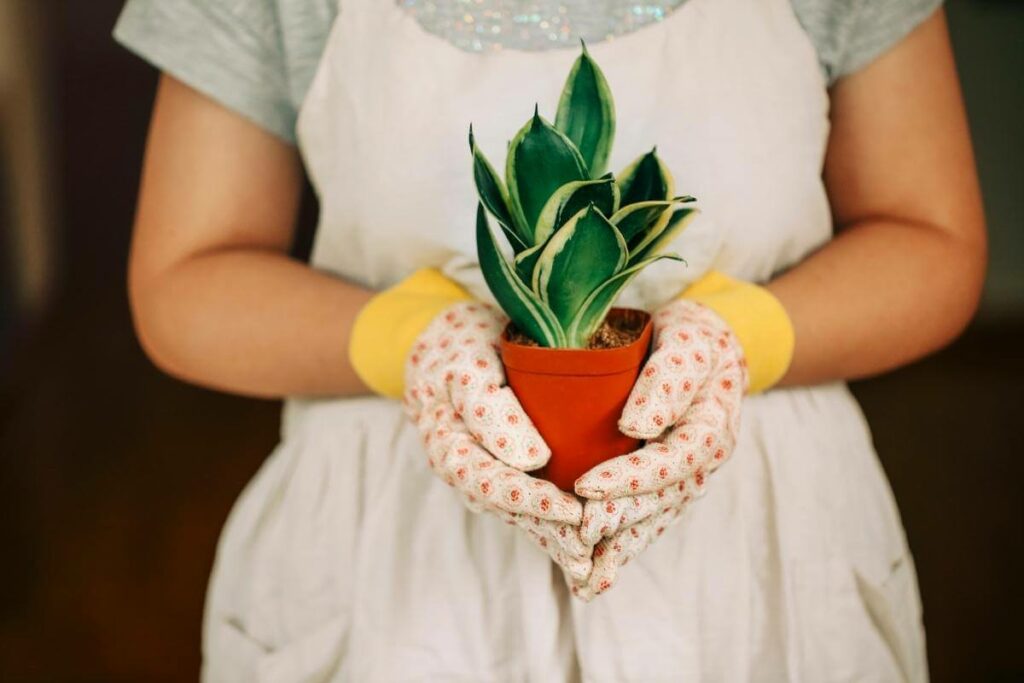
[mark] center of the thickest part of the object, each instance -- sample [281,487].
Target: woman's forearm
[881,294]
[251,322]
[256,322]
[904,273]
[215,298]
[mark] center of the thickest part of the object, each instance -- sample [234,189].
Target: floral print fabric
[478,439]
[686,403]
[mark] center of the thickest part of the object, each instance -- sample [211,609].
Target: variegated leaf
[645,180]
[594,309]
[583,254]
[586,113]
[570,199]
[531,315]
[494,196]
[656,241]
[540,160]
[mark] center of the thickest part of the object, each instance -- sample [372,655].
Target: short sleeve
[850,34]
[230,51]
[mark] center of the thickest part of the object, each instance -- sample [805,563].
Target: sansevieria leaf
[570,199]
[593,310]
[540,160]
[494,196]
[566,202]
[579,236]
[586,113]
[583,254]
[531,315]
[635,220]
[645,180]
[526,261]
[656,241]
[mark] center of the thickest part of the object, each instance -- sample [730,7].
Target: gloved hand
[686,403]
[477,437]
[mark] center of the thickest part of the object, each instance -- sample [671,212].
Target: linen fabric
[258,57]
[347,559]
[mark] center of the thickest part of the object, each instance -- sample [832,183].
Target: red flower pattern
[686,404]
[656,483]
[479,440]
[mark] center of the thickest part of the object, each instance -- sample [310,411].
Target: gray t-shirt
[258,57]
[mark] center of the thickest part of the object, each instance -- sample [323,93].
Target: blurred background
[115,480]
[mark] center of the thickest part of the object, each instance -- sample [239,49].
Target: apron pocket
[847,628]
[230,655]
[314,657]
[895,609]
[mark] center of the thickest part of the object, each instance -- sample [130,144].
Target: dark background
[115,480]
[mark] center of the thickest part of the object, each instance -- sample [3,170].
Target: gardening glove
[722,338]
[454,390]
[387,327]
[479,440]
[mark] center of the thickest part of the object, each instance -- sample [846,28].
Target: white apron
[347,560]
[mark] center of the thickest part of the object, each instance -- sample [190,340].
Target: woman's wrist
[387,326]
[757,318]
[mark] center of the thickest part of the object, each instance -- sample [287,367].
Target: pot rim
[540,360]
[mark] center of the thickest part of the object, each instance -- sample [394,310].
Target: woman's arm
[903,276]
[215,297]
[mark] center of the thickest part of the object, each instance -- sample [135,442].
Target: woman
[828,146]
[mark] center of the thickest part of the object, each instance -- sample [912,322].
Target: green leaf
[540,160]
[584,253]
[593,311]
[645,180]
[618,195]
[656,241]
[494,196]
[636,220]
[570,199]
[586,113]
[530,315]
[526,262]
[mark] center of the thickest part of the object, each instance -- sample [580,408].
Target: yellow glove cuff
[759,321]
[388,325]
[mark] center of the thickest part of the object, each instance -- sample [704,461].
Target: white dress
[347,560]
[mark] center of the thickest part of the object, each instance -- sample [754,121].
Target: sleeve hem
[886,39]
[212,77]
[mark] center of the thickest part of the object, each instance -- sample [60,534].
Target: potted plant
[578,236]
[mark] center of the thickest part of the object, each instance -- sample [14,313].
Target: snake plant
[579,235]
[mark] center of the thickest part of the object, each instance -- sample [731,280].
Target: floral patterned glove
[479,440]
[686,403]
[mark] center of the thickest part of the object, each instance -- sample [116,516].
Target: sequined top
[258,57]
[480,25]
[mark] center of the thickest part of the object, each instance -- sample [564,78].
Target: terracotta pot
[575,398]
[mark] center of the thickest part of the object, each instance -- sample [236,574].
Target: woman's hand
[687,404]
[456,394]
